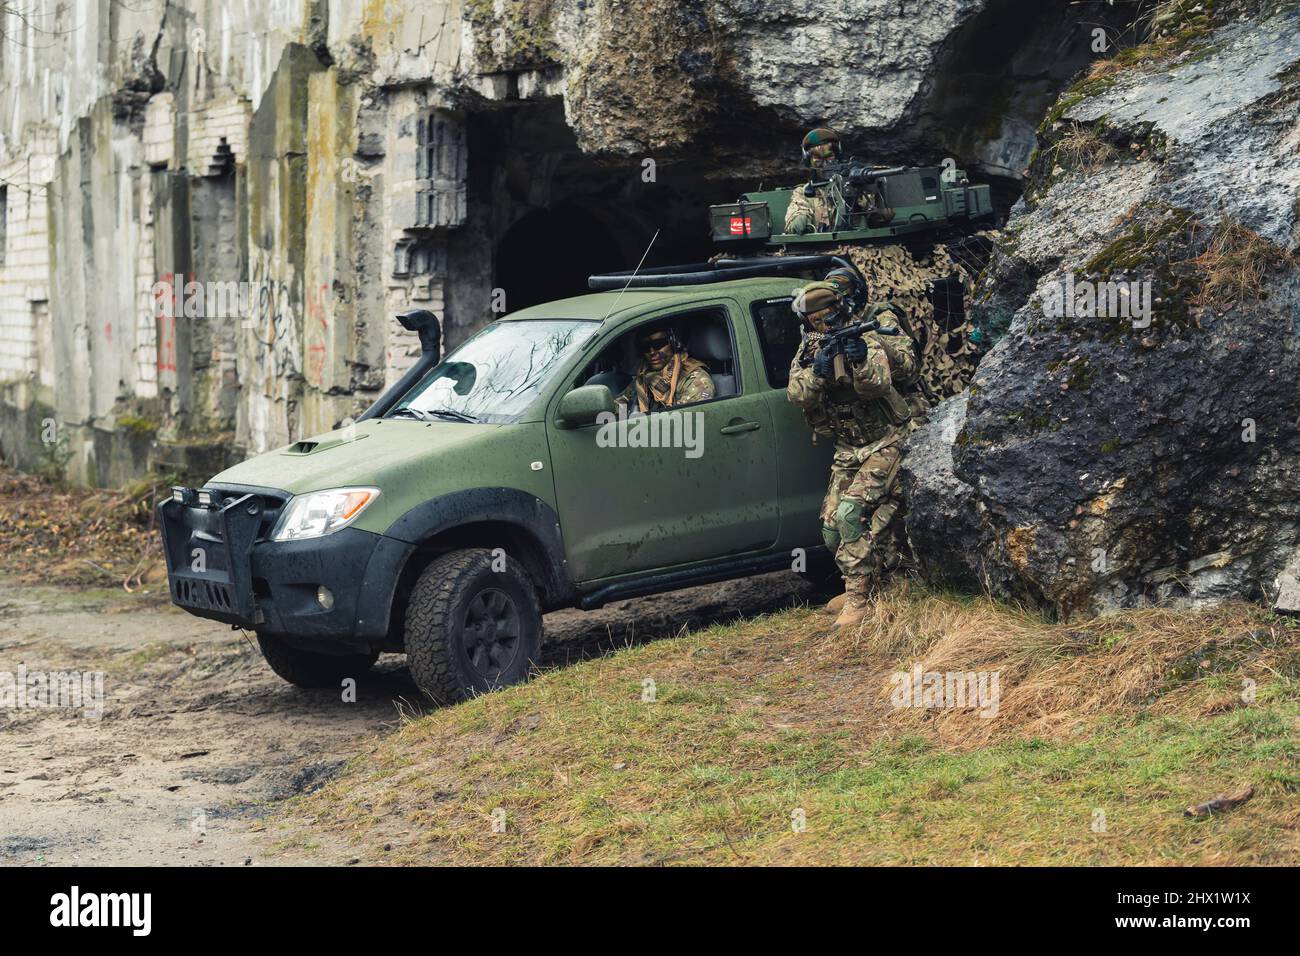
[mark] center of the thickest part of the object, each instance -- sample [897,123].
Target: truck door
[673,487]
[804,468]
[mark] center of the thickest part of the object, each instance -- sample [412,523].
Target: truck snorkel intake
[426,325]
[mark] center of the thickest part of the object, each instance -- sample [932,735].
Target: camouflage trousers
[862,510]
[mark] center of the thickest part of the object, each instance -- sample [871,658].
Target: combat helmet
[821,305]
[850,285]
[821,146]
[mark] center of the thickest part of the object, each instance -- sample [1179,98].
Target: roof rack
[722,270]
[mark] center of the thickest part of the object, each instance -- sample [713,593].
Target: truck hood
[360,455]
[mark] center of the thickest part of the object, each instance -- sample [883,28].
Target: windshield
[496,374]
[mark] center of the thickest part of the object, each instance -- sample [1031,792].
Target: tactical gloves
[823,364]
[855,350]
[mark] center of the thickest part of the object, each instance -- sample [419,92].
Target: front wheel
[473,624]
[307,669]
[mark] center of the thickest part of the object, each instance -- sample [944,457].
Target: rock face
[720,78]
[1108,455]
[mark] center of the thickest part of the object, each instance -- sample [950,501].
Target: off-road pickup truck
[488,487]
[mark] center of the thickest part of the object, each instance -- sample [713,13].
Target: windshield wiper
[451,415]
[408,410]
[427,415]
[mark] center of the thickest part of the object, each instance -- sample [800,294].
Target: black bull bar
[208,547]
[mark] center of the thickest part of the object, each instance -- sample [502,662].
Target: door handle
[736,428]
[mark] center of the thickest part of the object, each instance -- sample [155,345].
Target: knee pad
[831,537]
[848,519]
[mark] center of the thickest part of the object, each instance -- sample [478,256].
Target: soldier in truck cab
[667,376]
[812,206]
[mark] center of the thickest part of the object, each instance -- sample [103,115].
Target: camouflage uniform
[813,213]
[808,213]
[812,209]
[653,390]
[816,213]
[867,418]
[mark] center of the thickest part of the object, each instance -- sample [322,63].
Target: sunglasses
[655,344]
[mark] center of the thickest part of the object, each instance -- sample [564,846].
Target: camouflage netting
[914,279]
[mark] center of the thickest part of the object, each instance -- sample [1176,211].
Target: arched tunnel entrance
[548,254]
[542,216]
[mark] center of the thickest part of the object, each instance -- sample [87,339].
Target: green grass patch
[768,742]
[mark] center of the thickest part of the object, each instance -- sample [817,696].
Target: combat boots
[836,604]
[856,605]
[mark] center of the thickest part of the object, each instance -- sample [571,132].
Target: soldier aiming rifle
[856,384]
[839,190]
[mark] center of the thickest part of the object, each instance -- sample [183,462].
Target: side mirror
[582,406]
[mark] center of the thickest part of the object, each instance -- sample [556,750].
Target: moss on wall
[517,39]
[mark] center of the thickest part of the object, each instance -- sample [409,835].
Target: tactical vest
[848,418]
[905,399]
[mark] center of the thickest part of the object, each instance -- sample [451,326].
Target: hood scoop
[309,446]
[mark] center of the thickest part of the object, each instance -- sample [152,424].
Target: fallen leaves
[62,535]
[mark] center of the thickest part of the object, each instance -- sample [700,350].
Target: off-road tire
[449,613]
[308,669]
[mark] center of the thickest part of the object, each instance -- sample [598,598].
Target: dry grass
[1082,148]
[1055,678]
[1163,29]
[1140,714]
[1236,265]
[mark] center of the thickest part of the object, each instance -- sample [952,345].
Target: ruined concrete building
[296,171]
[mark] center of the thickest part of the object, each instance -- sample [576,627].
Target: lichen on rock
[511,34]
[1108,460]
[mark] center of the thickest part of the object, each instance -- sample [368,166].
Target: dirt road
[198,741]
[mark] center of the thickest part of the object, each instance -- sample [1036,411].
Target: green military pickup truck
[496,484]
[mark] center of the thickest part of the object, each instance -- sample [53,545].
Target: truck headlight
[322,512]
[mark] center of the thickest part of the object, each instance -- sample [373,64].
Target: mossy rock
[526,26]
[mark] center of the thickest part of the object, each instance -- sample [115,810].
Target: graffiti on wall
[317,332]
[273,320]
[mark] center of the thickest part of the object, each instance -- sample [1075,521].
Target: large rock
[718,80]
[1105,462]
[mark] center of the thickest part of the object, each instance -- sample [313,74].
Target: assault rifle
[835,342]
[847,182]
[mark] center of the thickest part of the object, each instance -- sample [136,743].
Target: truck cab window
[696,345]
[778,333]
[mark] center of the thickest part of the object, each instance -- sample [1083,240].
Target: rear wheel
[473,624]
[309,669]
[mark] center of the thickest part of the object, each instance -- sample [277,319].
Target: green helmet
[818,304]
[820,146]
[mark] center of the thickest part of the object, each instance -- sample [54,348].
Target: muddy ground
[199,741]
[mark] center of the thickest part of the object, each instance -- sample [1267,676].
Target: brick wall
[24,275]
[218,129]
[159,132]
